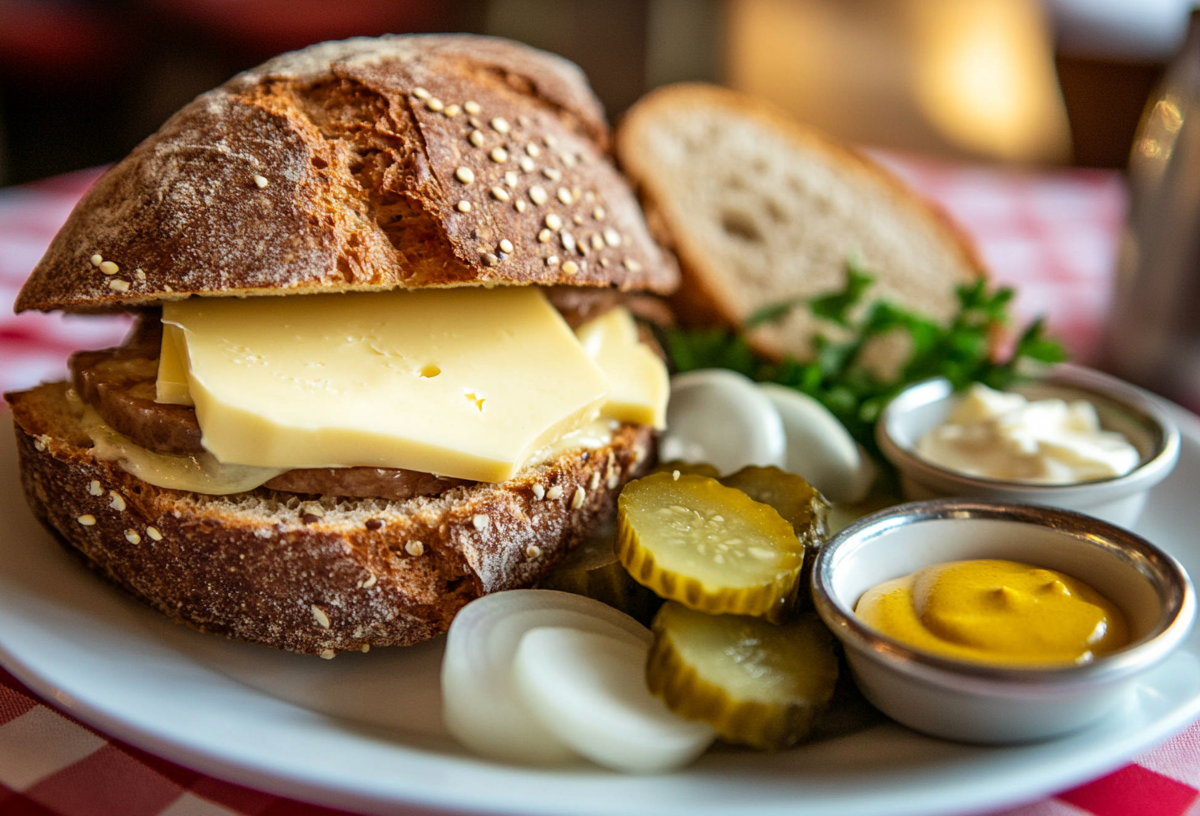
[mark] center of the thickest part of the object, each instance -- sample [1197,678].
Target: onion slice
[589,689]
[720,417]
[480,702]
[819,447]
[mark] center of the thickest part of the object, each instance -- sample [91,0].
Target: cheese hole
[477,399]
[430,370]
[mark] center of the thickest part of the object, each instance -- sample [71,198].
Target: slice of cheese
[198,474]
[458,382]
[640,383]
[172,385]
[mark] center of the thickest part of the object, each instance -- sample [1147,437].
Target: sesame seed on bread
[760,209]
[364,165]
[308,574]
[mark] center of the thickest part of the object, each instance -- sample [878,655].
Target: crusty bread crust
[315,576]
[760,209]
[365,165]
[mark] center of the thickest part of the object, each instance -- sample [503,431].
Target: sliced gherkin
[756,683]
[801,504]
[797,501]
[592,570]
[713,548]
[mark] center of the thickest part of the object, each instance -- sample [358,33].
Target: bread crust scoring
[364,165]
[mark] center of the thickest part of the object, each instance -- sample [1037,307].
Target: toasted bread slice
[760,209]
[316,575]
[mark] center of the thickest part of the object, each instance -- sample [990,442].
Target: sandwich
[385,360]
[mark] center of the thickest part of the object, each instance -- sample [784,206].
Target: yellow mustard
[993,611]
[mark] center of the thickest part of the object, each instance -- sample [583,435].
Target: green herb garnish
[961,351]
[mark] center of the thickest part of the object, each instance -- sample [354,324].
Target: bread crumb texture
[310,574]
[761,209]
[368,164]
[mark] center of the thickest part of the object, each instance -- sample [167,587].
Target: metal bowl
[980,703]
[1140,416]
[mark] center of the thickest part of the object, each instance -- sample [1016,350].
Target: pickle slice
[800,504]
[754,682]
[592,570]
[710,547]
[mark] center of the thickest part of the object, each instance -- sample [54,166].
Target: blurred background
[1043,83]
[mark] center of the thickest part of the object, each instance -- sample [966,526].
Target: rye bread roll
[366,165]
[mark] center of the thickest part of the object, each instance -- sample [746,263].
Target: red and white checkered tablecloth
[1051,235]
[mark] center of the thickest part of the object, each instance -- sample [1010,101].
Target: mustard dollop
[995,611]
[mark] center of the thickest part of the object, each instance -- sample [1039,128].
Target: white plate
[363,731]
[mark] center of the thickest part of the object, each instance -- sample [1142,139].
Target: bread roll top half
[364,165]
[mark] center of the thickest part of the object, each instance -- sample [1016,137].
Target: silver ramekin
[980,703]
[1139,415]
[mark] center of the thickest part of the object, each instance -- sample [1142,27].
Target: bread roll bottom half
[318,575]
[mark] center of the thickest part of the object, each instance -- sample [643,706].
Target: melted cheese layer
[194,474]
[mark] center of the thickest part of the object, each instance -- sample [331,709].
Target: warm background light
[970,78]
[83,81]
[983,73]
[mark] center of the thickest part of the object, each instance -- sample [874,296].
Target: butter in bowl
[1036,445]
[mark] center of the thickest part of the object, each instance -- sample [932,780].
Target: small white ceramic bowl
[979,703]
[1122,407]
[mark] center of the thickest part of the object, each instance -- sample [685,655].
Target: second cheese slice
[458,382]
[639,379]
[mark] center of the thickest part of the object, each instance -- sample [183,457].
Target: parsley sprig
[961,350]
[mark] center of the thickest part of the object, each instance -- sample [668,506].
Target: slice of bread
[319,576]
[760,210]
